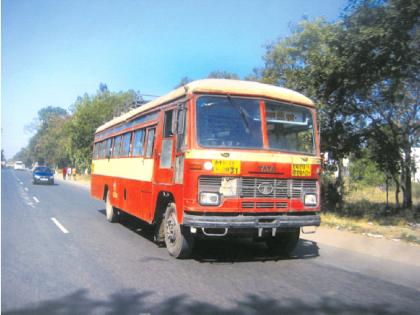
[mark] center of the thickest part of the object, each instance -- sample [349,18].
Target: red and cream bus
[214,158]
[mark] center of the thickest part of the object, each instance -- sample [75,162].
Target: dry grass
[378,195]
[85,178]
[365,211]
[400,229]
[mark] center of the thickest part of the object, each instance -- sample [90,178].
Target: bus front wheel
[178,241]
[111,212]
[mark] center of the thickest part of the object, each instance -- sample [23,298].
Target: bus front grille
[253,187]
[263,205]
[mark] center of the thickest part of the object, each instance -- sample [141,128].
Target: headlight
[37,176]
[52,177]
[208,166]
[310,200]
[209,199]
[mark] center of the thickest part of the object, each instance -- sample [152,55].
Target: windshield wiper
[241,113]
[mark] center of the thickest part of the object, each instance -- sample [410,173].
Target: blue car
[43,174]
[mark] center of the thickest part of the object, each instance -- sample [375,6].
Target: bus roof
[217,86]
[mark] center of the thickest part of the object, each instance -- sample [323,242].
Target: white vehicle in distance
[19,165]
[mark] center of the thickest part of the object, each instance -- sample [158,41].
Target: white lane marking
[30,204]
[35,198]
[26,188]
[60,226]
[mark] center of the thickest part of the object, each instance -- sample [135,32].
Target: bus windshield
[231,122]
[289,128]
[223,121]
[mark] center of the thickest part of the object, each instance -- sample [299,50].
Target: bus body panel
[138,199]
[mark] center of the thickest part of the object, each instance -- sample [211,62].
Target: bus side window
[138,149]
[95,151]
[150,142]
[125,150]
[107,150]
[117,146]
[101,149]
[167,130]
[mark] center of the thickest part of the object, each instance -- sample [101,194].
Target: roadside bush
[364,172]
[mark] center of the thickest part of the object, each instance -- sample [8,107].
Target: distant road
[59,255]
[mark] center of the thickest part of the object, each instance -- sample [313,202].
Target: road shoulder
[397,251]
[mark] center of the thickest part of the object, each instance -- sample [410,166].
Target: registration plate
[229,167]
[44,179]
[301,170]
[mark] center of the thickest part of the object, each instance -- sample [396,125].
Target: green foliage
[89,112]
[24,155]
[63,139]
[363,171]
[378,80]
[46,147]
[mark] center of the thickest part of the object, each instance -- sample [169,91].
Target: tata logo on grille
[265,188]
[267,169]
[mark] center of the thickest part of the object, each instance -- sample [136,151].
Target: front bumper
[43,180]
[254,221]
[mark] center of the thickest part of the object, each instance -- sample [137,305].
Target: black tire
[179,241]
[284,242]
[110,210]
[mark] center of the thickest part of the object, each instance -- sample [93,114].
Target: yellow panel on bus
[130,168]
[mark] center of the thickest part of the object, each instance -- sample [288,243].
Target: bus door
[170,160]
[165,150]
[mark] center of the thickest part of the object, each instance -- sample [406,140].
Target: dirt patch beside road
[382,248]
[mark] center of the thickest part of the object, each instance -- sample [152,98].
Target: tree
[364,171]
[384,150]
[378,76]
[45,147]
[23,155]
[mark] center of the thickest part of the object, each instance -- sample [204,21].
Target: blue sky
[54,51]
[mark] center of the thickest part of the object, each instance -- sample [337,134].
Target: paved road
[103,268]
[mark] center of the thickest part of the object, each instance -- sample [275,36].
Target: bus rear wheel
[283,243]
[111,211]
[178,241]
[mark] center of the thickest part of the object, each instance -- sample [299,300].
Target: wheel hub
[170,229]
